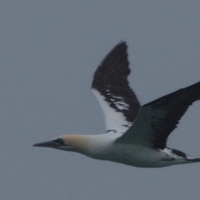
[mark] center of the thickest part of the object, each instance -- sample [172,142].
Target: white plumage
[135,135]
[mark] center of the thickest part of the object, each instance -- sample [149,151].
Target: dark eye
[59,141]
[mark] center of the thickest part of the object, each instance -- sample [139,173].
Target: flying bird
[135,135]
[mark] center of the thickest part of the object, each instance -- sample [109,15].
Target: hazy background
[49,51]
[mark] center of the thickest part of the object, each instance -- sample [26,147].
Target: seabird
[135,135]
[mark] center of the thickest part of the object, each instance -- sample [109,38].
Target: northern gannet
[135,135]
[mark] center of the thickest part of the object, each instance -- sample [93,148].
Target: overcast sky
[49,51]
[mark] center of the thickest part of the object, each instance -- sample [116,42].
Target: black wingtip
[122,42]
[194,91]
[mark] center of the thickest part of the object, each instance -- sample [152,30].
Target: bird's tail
[186,157]
[179,157]
[191,159]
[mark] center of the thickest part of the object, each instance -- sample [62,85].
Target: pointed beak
[50,144]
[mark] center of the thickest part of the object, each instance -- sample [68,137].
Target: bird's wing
[110,86]
[159,118]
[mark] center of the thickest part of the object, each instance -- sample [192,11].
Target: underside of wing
[110,86]
[159,118]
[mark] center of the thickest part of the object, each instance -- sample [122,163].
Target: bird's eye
[59,141]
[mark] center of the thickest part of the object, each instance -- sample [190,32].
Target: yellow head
[75,143]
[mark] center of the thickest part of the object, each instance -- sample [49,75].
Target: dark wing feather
[159,118]
[111,87]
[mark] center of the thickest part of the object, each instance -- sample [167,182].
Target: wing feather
[159,118]
[110,86]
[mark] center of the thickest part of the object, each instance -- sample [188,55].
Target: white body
[135,135]
[104,147]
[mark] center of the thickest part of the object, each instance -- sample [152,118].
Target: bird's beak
[51,144]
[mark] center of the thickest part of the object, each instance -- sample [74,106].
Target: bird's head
[66,142]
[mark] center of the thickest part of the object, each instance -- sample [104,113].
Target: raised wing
[159,118]
[110,86]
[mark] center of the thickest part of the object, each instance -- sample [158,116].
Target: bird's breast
[128,154]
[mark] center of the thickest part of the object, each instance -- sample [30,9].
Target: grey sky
[49,51]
